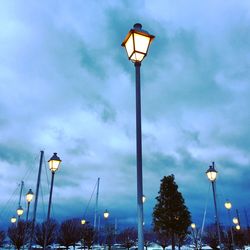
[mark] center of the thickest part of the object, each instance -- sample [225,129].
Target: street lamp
[212,175]
[136,44]
[106,214]
[193,226]
[235,221]
[29,197]
[83,222]
[228,206]
[13,220]
[19,211]
[194,232]
[237,227]
[54,164]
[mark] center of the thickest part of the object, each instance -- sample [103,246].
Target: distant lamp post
[54,164]
[19,212]
[228,206]
[212,175]
[237,227]
[235,221]
[13,220]
[83,222]
[29,197]
[193,226]
[194,232]
[106,214]
[136,44]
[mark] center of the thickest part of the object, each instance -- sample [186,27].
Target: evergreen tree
[170,216]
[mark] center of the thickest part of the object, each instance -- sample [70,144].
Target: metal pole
[96,202]
[50,195]
[231,230]
[139,157]
[20,195]
[96,228]
[49,208]
[27,214]
[216,214]
[237,213]
[36,199]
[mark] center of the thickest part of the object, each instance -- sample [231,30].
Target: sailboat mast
[96,202]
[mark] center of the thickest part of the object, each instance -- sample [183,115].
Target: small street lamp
[13,220]
[83,222]
[235,221]
[29,197]
[19,212]
[137,44]
[212,175]
[237,227]
[193,226]
[228,206]
[106,214]
[54,164]
[195,235]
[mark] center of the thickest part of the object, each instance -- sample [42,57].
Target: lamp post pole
[216,213]
[50,195]
[49,208]
[139,156]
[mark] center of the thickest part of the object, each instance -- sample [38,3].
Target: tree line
[170,226]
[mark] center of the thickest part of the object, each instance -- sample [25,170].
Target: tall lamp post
[228,206]
[54,163]
[29,197]
[136,44]
[212,175]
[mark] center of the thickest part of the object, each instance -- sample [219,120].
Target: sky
[67,86]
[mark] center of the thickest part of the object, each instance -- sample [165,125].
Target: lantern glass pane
[137,57]
[129,45]
[211,175]
[141,43]
[29,197]
[54,165]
